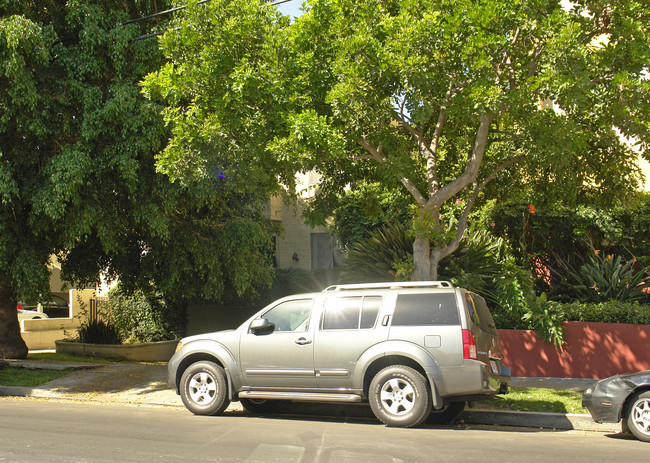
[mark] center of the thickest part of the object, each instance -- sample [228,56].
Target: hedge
[605,312]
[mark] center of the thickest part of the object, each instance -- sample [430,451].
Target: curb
[44,365]
[18,391]
[559,421]
[568,421]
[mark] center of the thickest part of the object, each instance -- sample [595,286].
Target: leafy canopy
[452,98]
[77,167]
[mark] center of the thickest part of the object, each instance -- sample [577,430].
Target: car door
[281,357]
[349,326]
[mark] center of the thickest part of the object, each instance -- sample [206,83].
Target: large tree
[445,97]
[77,167]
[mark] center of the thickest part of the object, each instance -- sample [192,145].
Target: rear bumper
[474,380]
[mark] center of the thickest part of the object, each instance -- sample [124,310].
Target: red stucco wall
[593,350]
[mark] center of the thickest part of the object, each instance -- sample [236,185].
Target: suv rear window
[426,309]
[480,313]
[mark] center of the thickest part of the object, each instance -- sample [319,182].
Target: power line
[172,10]
[160,13]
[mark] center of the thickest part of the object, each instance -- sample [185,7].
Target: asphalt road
[55,431]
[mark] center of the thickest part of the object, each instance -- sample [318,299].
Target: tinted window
[485,321]
[290,315]
[426,309]
[473,314]
[342,313]
[350,313]
[371,305]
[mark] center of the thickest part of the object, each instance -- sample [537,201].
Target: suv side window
[290,315]
[351,313]
[371,306]
[426,309]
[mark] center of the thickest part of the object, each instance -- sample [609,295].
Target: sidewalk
[139,384]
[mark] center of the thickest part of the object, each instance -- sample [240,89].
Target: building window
[322,251]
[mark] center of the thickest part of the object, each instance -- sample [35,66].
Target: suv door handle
[303,341]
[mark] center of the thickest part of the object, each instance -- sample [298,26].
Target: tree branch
[451,247]
[536,60]
[377,155]
[471,169]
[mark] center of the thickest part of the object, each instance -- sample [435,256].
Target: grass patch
[531,399]
[24,377]
[70,358]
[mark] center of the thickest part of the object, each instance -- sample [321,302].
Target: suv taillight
[469,345]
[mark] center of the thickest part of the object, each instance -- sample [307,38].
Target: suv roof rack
[390,285]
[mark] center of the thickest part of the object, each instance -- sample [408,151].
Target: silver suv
[415,351]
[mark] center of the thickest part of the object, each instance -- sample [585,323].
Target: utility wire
[160,13]
[172,10]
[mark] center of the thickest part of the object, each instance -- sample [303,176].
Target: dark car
[625,397]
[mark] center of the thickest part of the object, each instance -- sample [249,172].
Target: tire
[399,396]
[448,414]
[258,406]
[638,416]
[204,389]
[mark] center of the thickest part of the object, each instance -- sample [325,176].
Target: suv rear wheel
[399,396]
[204,388]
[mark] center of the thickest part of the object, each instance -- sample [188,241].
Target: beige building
[301,246]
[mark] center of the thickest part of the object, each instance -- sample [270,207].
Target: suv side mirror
[261,326]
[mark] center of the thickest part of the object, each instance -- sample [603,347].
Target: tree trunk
[12,345]
[422,259]
[436,257]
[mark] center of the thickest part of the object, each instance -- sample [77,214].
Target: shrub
[605,312]
[547,320]
[602,279]
[380,256]
[145,316]
[99,332]
[365,208]
[552,242]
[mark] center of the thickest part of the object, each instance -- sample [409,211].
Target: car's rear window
[480,314]
[426,309]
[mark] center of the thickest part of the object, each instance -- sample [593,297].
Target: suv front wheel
[399,396]
[204,389]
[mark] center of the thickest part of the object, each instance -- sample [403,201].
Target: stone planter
[160,351]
